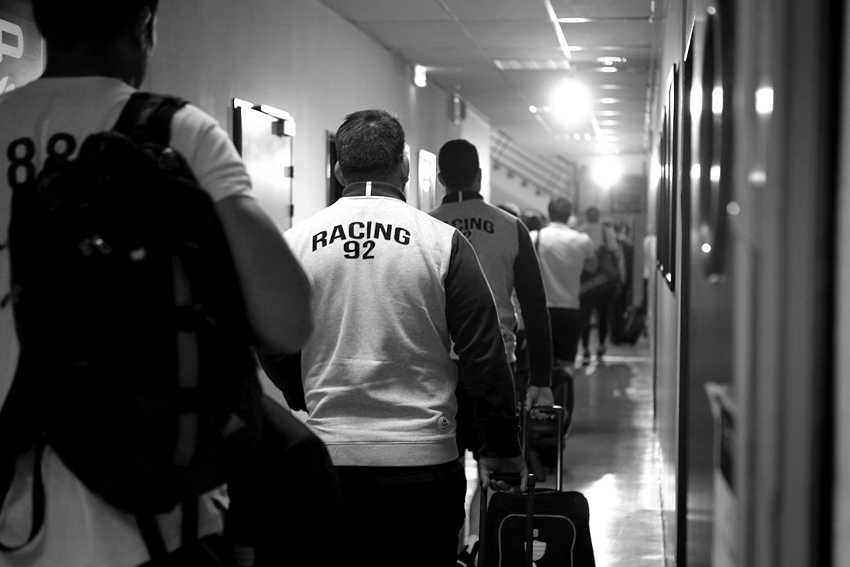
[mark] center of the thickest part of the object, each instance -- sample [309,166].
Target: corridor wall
[303,58]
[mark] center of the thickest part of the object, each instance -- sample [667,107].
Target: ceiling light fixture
[608,69]
[420,78]
[570,100]
[608,100]
[609,60]
[606,172]
[532,109]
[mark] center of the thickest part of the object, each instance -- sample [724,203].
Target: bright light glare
[706,247]
[608,100]
[570,101]
[654,173]
[606,173]
[764,100]
[608,69]
[587,137]
[532,108]
[717,101]
[714,173]
[696,101]
[420,76]
[695,172]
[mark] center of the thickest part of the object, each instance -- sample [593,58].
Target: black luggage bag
[634,321]
[559,534]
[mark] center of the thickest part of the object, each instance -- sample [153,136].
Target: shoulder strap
[147,117]
[7,475]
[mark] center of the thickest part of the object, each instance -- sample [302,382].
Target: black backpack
[136,362]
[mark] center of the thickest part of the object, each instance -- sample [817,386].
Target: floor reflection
[610,457]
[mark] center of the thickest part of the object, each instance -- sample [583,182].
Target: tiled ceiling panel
[625,9]
[522,34]
[625,34]
[508,10]
[502,56]
[447,58]
[388,10]
[419,35]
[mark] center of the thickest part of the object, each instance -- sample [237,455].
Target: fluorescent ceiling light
[606,172]
[532,64]
[570,101]
[608,69]
[420,78]
[610,60]
[608,100]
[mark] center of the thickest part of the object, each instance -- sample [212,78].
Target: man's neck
[469,188]
[89,61]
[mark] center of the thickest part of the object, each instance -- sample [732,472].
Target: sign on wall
[21,47]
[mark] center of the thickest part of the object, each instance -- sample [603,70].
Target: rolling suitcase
[558,535]
[634,321]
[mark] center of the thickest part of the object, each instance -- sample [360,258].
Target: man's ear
[144,29]
[405,171]
[338,174]
[440,179]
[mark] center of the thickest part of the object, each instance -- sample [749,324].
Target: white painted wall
[301,57]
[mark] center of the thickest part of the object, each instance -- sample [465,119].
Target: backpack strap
[7,475]
[147,117]
[154,541]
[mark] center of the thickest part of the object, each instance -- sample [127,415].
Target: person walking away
[564,253]
[504,248]
[394,288]
[602,236]
[97,56]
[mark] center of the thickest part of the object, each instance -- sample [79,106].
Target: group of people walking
[397,330]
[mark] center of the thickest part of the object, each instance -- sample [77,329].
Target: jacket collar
[373,189]
[461,196]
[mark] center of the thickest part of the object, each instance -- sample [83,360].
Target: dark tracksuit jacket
[509,261]
[393,287]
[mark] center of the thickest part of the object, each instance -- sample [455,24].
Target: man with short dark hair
[394,288]
[563,253]
[507,257]
[97,56]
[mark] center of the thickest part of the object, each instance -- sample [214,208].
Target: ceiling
[504,56]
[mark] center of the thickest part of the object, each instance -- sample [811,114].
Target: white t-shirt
[80,529]
[562,252]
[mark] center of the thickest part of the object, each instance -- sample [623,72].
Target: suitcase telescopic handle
[511,478]
[558,412]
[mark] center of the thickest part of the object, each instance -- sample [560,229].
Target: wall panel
[298,56]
